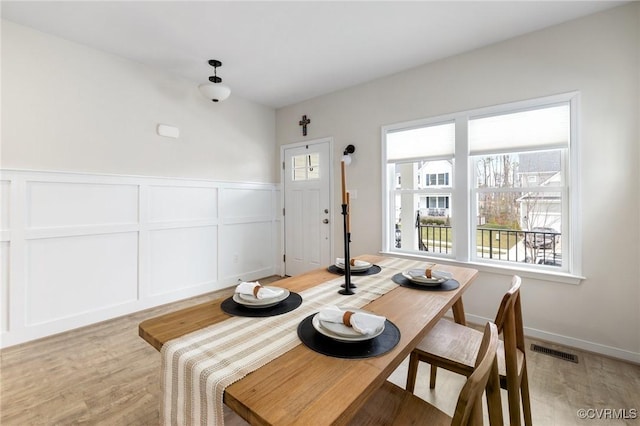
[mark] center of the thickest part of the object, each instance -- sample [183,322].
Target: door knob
[325,221]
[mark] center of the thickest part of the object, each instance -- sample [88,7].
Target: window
[305,167]
[513,166]
[421,154]
[434,179]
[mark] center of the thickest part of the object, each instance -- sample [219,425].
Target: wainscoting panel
[242,204]
[72,275]
[64,204]
[4,286]
[78,248]
[181,258]
[5,221]
[247,251]
[5,191]
[182,203]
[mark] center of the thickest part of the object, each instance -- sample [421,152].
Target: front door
[307,206]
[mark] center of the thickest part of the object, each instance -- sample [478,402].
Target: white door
[307,206]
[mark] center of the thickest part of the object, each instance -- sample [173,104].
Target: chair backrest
[508,302]
[509,322]
[509,317]
[469,406]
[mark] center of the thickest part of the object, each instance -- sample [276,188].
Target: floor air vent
[554,353]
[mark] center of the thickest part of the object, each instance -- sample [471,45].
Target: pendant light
[216,91]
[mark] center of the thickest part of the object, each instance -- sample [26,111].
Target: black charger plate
[352,350]
[445,286]
[374,269]
[287,305]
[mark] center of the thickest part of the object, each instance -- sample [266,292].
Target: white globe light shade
[215,91]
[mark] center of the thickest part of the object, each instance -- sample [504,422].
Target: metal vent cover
[554,353]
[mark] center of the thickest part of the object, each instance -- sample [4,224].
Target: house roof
[539,162]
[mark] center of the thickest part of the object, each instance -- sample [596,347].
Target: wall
[100,216]
[67,107]
[596,55]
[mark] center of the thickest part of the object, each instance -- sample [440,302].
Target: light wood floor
[106,375]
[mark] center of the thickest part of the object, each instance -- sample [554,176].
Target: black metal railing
[541,247]
[437,212]
[434,238]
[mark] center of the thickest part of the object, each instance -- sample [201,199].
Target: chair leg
[413,372]
[494,402]
[526,401]
[432,376]
[476,413]
[513,397]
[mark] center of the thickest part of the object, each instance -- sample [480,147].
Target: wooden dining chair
[453,347]
[392,405]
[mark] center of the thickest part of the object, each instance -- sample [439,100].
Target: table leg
[458,312]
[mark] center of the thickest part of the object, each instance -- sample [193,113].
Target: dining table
[302,386]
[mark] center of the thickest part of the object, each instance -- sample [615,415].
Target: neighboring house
[434,175]
[536,169]
[540,209]
[427,175]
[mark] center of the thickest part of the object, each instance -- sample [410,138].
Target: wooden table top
[304,387]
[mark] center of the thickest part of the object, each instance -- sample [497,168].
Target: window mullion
[460,192]
[572,175]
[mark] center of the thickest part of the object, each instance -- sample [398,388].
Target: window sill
[542,275]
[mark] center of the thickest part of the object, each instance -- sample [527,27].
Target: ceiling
[280,53]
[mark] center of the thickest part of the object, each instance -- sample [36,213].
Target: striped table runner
[197,367]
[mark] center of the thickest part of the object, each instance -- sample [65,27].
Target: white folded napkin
[262,293]
[340,261]
[362,322]
[442,274]
[434,274]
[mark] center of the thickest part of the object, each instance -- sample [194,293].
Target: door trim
[283,190]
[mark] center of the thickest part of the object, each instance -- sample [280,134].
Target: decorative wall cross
[304,123]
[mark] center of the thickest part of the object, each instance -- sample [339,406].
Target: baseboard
[570,342]
[253,275]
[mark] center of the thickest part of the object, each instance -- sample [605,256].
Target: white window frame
[388,181]
[462,204]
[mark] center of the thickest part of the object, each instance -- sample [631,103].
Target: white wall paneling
[4,286]
[249,231]
[79,248]
[5,203]
[182,203]
[181,258]
[74,204]
[71,275]
[247,250]
[5,187]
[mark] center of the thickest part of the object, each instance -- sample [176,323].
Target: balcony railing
[434,238]
[437,212]
[541,247]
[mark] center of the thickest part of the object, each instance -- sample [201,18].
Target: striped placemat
[197,367]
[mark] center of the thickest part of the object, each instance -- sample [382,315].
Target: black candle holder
[348,287]
[352,285]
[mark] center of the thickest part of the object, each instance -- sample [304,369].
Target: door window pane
[305,166]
